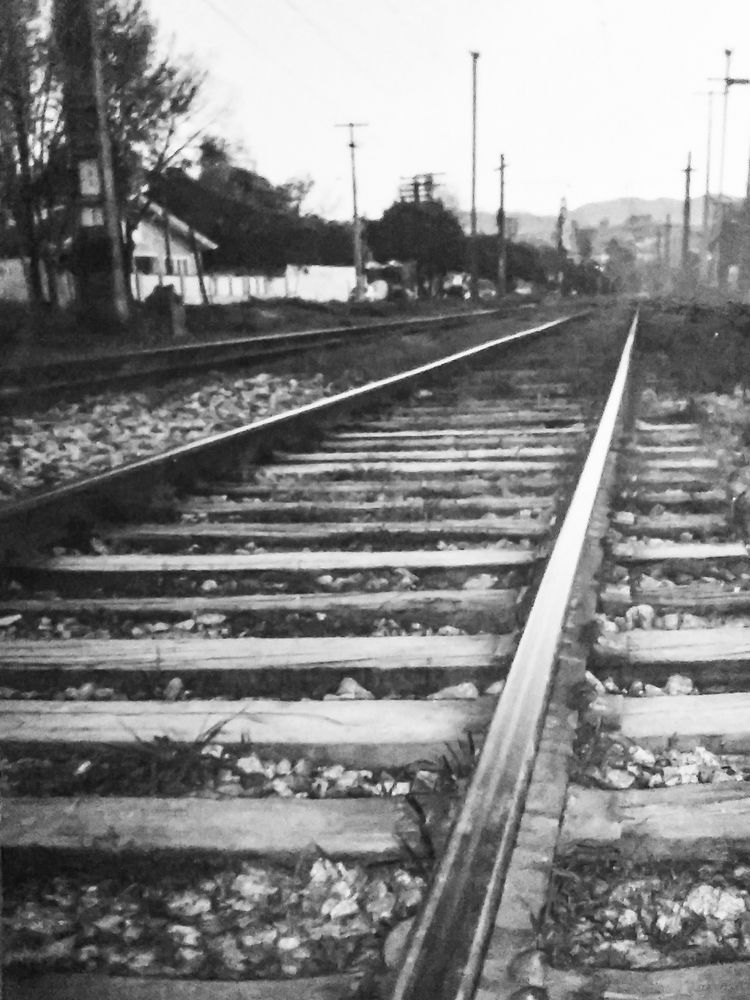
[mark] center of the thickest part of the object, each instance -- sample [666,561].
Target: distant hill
[534,228]
[619,210]
[537,228]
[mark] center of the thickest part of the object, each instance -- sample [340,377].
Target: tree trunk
[24,204]
[198,265]
[50,267]
[26,219]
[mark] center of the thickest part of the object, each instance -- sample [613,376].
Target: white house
[164,244]
[166,251]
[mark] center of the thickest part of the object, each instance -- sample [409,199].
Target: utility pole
[685,262]
[668,254]
[560,245]
[97,247]
[358,262]
[419,187]
[473,245]
[502,258]
[744,275]
[729,81]
[659,263]
[727,84]
[111,212]
[706,267]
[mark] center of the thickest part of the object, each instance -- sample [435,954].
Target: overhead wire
[310,83]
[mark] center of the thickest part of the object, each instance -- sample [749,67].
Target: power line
[321,33]
[272,60]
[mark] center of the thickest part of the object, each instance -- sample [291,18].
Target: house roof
[177,224]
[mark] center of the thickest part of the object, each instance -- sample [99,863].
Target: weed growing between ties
[608,911]
[703,348]
[209,768]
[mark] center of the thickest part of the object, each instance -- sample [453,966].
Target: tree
[147,95]
[23,51]
[296,190]
[525,264]
[620,268]
[147,98]
[425,232]
[258,226]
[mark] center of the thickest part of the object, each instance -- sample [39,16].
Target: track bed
[236,738]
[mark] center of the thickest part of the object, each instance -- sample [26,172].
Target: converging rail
[272,702]
[444,959]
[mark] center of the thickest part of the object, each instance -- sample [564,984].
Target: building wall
[13,280]
[312,284]
[148,239]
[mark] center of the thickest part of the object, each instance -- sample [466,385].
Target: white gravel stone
[466,691]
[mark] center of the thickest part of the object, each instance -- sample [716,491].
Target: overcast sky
[588,99]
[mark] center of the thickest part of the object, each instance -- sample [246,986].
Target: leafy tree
[621,268]
[24,61]
[425,232]
[147,98]
[584,241]
[296,190]
[147,95]
[525,264]
[258,226]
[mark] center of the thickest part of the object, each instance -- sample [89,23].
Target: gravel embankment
[238,922]
[104,431]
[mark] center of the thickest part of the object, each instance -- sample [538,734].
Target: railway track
[65,378]
[631,877]
[262,744]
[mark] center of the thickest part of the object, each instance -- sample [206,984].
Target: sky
[587,99]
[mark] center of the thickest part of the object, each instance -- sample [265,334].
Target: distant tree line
[262,227]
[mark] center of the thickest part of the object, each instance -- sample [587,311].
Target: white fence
[313,284]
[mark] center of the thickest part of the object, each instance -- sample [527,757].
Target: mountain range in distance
[616,212]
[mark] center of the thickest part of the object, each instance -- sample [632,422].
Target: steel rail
[182,456]
[124,366]
[447,944]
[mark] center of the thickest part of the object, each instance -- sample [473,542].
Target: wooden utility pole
[744,274]
[561,254]
[502,257]
[358,262]
[120,298]
[97,245]
[659,262]
[729,81]
[685,259]
[473,244]
[668,254]
[705,263]
[727,84]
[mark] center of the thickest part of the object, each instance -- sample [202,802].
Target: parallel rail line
[81,374]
